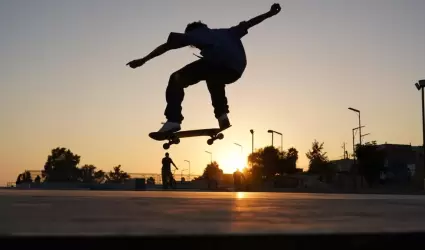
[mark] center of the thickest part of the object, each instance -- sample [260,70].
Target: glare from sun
[232,162]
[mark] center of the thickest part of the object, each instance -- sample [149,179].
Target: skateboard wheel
[220,136]
[176,140]
[210,141]
[166,146]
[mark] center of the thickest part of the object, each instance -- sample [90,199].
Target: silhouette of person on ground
[223,62]
[166,170]
[237,179]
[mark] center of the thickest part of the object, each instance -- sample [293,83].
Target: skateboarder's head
[195,25]
[166,154]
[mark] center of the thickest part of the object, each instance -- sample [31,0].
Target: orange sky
[64,81]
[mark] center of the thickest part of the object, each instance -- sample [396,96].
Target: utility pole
[420,85]
[345,152]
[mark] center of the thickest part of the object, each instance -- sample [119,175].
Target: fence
[157,177]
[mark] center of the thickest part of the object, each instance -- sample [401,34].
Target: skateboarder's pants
[216,78]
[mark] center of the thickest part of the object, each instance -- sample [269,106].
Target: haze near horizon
[64,82]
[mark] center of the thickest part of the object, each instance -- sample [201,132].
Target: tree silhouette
[19,179]
[27,178]
[99,176]
[212,171]
[37,179]
[24,177]
[269,160]
[288,161]
[61,166]
[371,161]
[117,175]
[265,161]
[88,174]
[318,161]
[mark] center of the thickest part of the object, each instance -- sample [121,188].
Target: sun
[231,162]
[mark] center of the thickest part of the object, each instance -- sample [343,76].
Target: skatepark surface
[49,212]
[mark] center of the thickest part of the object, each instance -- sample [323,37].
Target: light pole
[210,155]
[360,126]
[281,137]
[189,167]
[354,147]
[420,85]
[354,159]
[252,137]
[237,144]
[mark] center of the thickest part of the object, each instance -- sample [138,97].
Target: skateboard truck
[171,140]
[219,136]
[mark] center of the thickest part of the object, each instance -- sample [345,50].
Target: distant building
[400,161]
[343,165]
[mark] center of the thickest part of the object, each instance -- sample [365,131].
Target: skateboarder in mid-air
[223,62]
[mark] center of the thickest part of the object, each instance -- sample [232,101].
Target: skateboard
[174,138]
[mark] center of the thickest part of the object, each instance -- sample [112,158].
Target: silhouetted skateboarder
[166,170]
[223,62]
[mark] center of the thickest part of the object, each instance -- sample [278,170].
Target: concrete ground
[41,212]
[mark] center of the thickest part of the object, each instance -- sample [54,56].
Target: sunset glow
[64,82]
[232,161]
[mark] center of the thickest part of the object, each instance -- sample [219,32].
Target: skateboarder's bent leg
[178,81]
[215,76]
[219,101]
[217,87]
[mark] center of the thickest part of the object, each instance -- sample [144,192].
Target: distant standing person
[166,170]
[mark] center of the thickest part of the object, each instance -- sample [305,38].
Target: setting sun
[231,162]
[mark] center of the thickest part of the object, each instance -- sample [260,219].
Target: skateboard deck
[174,138]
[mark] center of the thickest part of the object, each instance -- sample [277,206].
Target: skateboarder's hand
[136,63]
[275,9]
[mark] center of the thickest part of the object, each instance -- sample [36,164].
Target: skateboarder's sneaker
[170,127]
[223,121]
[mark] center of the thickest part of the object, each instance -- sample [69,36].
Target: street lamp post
[237,144]
[270,131]
[281,137]
[360,126]
[189,167]
[210,155]
[252,137]
[420,85]
[354,147]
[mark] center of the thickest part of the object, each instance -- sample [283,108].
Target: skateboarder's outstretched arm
[274,10]
[175,41]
